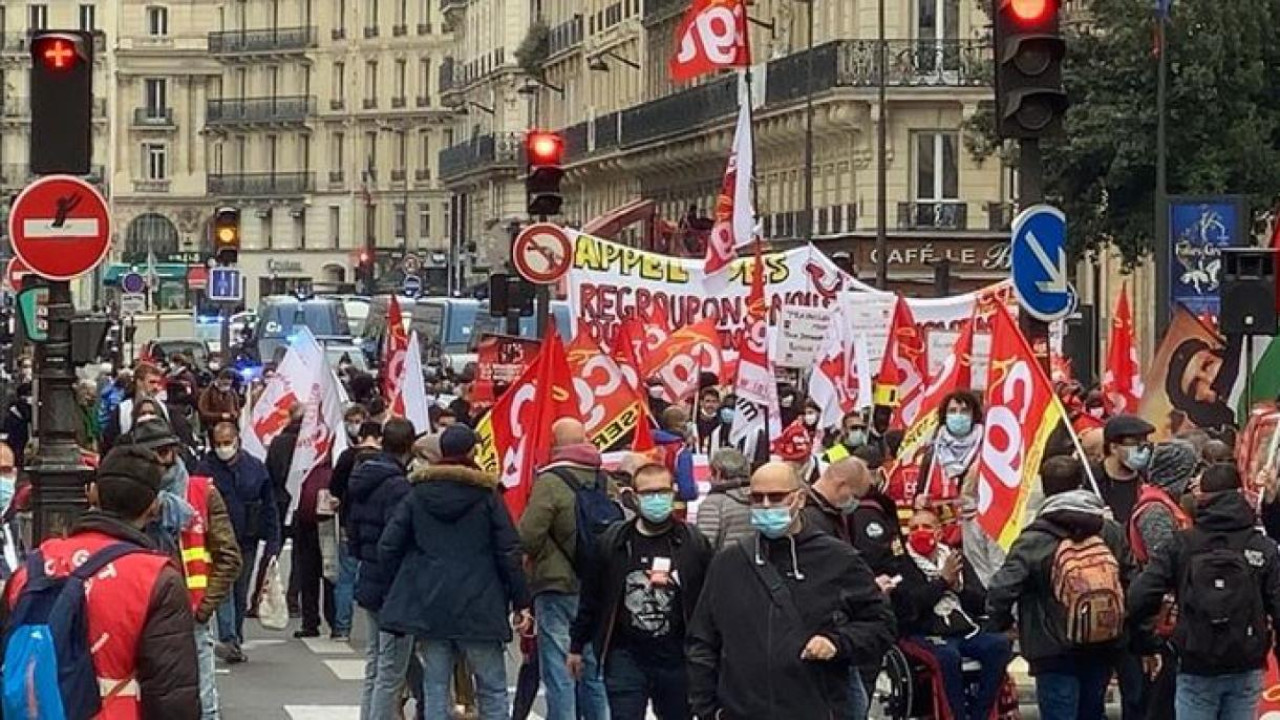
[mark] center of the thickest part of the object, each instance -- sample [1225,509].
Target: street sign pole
[1030,192]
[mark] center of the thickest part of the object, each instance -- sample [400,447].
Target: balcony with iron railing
[933,215]
[283,109]
[262,40]
[261,184]
[565,35]
[484,152]
[151,117]
[656,11]
[16,43]
[20,107]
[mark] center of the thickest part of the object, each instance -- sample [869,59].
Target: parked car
[279,315]
[162,350]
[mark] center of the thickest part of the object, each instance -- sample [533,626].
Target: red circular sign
[14,271]
[60,227]
[542,253]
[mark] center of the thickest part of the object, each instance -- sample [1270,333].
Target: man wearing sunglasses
[784,616]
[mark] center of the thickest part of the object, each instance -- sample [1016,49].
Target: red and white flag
[394,347]
[515,436]
[683,357]
[903,371]
[1122,382]
[841,380]
[322,436]
[608,392]
[757,386]
[657,328]
[410,400]
[712,36]
[735,217]
[1022,412]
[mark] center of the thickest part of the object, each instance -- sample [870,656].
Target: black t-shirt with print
[649,619]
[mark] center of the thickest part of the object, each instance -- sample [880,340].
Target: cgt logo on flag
[712,36]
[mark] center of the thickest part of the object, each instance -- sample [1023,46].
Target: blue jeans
[231,612]
[555,612]
[386,661]
[991,649]
[488,667]
[344,590]
[208,680]
[633,682]
[1220,697]
[859,702]
[1078,695]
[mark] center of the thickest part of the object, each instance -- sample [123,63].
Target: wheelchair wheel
[894,688]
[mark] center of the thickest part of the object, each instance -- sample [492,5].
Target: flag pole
[1161,243]
[1075,441]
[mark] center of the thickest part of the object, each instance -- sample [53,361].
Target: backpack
[48,665]
[1085,578]
[1222,621]
[593,513]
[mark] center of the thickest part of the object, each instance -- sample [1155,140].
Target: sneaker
[305,633]
[340,636]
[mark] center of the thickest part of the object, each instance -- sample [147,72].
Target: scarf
[956,454]
[1083,501]
[932,568]
[175,511]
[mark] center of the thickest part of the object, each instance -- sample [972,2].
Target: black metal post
[1030,192]
[1161,244]
[942,277]
[59,476]
[882,149]
[808,129]
[224,333]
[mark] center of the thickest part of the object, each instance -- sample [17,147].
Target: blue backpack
[593,513]
[48,666]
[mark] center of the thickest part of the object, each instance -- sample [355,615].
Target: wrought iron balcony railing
[153,117]
[283,109]
[262,40]
[480,153]
[261,184]
[933,215]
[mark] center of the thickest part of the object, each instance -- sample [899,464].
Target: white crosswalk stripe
[323,712]
[346,669]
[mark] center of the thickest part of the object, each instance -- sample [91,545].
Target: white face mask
[811,419]
[225,452]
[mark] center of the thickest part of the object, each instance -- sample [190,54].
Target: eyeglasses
[773,498]
[653,493]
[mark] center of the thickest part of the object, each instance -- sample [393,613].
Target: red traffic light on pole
[544,153]
[61,101]
[1032,11]
[1029,47]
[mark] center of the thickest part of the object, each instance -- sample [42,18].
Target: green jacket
[549,530]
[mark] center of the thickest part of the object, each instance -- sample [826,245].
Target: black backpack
[1222,620]
[593,513]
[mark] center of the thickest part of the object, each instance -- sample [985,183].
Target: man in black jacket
[1225,574]
[1071,681]
[455,559]
[637,600]
[783,616]
[377,487]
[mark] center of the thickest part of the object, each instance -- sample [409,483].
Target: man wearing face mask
[637,601]
[853,435]
[219,402]
[834,496]
[139,612]
[657,403]
[708,417]
[193,526]
[784,616]
[244,485]
[1126,457]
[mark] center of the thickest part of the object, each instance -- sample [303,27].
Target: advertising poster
[1199,227]
[500,361]
[1189,382]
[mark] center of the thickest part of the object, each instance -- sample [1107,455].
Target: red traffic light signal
[1032,11]
[61,101]
[544,148]
[364,257]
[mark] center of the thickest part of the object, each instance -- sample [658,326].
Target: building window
[400,78]
[38,17]
[155,158]
[424,155]
[340,23]
[424,221]
[402,151]
[937,171]
[402,12]
[335,224]
[371,148]
[371,82]
[371,13]
[304,153]
[157,102]
[339,150]
[400,219]
[424,81]
[87,18]
[339,81]
[937,29]
[157,21]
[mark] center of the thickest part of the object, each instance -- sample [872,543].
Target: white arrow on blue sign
[1039,263]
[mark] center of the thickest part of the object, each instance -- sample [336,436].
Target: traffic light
[544,152]
[364,270]
[226,235]
[61,101]
[1029,48]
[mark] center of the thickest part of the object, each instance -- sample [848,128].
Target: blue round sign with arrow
[1039,263]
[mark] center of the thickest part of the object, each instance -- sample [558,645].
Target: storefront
[912,261]
[181,286]
[281,273]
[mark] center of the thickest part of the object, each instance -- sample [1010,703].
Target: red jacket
[140,623]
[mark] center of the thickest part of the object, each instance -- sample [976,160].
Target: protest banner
[500,360]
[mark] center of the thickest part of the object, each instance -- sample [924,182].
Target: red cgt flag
[712,36]
[903,371]
[1022,412]
[678,361]
[1122,383]
[607,391]
[394,349]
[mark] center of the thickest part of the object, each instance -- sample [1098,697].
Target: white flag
[411,399]
[841,380]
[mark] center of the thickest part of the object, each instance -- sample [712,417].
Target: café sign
[905,255]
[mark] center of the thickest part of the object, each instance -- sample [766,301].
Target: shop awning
[166,271]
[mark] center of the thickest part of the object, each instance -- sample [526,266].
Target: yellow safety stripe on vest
[836,453]
[197,582]
[196,553]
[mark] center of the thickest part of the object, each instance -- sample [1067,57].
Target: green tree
[1223,121]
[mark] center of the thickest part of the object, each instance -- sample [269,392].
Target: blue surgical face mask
[855,438]
[656,509]
[959,424]
[772,522]
[1137,458]
[8,485]
[726,415]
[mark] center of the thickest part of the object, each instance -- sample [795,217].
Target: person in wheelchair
[940,602]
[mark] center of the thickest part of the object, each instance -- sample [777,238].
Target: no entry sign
[14,271]
[60,227]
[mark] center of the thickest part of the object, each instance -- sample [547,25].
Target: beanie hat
[456,441]
[129,479]
[1172,465]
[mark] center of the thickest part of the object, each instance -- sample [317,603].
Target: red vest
[195,554]
[117,599]
[1149,496]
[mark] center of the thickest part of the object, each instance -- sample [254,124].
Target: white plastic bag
[329,539]
[273,609]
